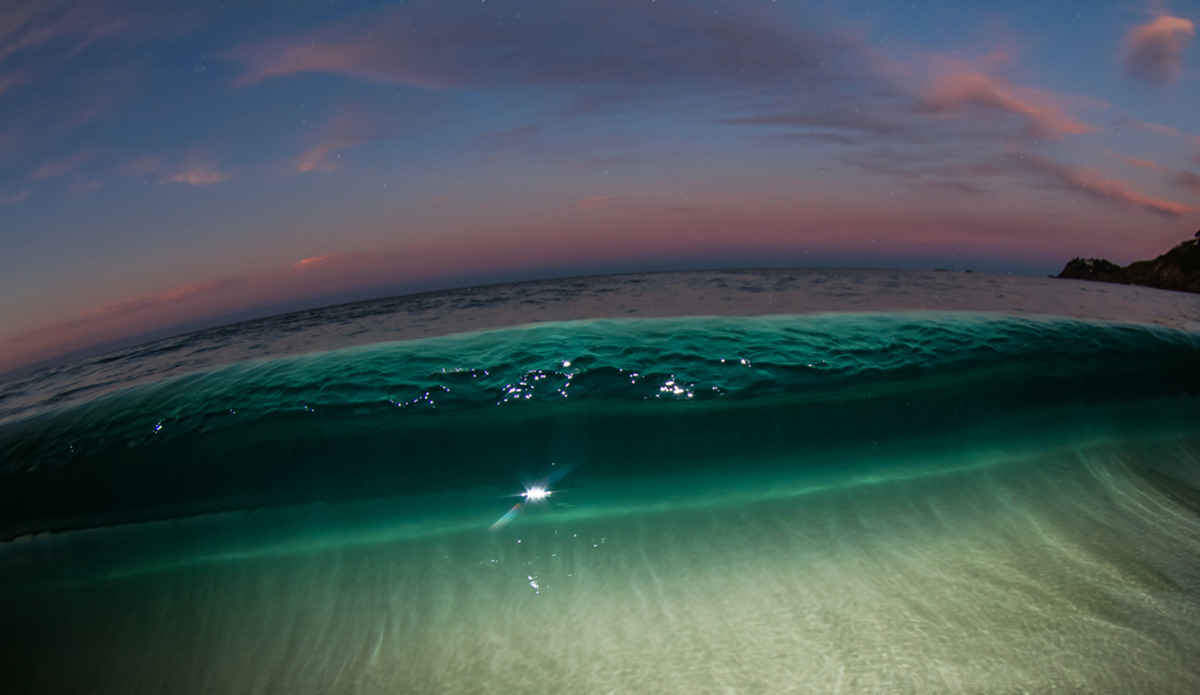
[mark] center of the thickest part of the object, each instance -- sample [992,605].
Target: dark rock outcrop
[1177,269]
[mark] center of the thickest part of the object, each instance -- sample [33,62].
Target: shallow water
[919,502]
[1066,572]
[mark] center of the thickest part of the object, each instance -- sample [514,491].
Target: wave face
[610,397]
[905,502]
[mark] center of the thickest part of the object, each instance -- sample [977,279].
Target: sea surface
[769,481]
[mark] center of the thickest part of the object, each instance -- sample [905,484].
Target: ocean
[760,481]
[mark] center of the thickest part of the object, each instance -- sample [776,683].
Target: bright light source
[534,494]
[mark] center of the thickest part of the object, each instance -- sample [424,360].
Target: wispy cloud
[197,174]
[153,300]
[317,159]
[1140,163]
[59,167]
[1186,180]
[842,123]
[626,44]
[7,198]
[596,202]
[1154,51]
[1165,131]
[345,50]
[45,40]
[352,125]
[67,69]
[1156,128]
[38,23]
[940,102]
[13,79]
[1096,184]
[317,260]
[961,90]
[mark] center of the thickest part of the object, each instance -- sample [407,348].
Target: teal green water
[920,502]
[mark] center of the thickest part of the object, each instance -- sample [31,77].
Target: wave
[611,397]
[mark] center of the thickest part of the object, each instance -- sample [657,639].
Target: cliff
[1177,269]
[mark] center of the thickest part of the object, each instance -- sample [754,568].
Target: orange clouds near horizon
[590,233]
[1096,184]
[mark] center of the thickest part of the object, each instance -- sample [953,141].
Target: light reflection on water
[641,295]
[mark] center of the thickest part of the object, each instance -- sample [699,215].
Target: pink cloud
[1167,131]
[1184,179]
[197,175]
[60,166]
[7,198]
[596,202]
[1094,183]
[183,291]
[153,300]
[353,125]
[1157,128]
[347,50]
[1140,163]
[316,260]
[317,159]
[960,90]
[1154,51]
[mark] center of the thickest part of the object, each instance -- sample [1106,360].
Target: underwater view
[870,500]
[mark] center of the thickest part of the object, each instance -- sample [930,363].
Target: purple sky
[167,165]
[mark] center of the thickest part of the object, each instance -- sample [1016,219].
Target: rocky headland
[1177,269]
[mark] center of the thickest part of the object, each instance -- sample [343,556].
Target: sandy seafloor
[763,482]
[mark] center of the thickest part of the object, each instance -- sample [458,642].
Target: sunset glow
[170,166]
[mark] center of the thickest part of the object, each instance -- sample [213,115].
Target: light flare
[535,493]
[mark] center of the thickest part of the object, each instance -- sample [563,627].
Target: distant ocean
[777,481]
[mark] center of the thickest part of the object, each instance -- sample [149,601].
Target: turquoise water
[853,502]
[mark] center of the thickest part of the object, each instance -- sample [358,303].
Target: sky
[171,165]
